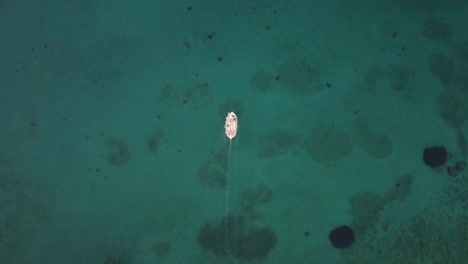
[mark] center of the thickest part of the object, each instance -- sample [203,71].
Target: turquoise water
[112,144]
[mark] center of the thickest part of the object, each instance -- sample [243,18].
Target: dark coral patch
[435,156]
[118,153]
[277,142]
[253,198]
[232,237]
[154,140]
[341,237]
